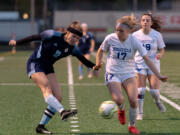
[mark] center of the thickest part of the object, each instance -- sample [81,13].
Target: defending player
[120,67]
[54,46]
[86,46]
[153,42]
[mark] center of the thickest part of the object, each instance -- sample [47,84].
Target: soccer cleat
[80,77]
[139,117]
[122,116]
[133,130]
[65,114]
[161,107]
[42,130]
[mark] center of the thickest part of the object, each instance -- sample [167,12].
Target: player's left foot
[133,130]
[65,114]
[90,75]
[139,117]
[122,116]
[42,130]
[80,77]
[161,107]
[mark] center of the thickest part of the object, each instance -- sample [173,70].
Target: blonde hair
[129,21]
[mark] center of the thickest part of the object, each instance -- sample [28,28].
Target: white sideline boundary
[74,126]
[61,84]
[171,103]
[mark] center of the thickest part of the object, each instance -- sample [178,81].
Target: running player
[86,46]
[54,46]
[120,67]
[153,42]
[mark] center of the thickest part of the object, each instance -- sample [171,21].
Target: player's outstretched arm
[151,65]
[99,57]
[25,40]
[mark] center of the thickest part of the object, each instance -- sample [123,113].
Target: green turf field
[22,104]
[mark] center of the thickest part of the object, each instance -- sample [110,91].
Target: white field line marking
[62,84]
[171,103]
[74,118]
[75,130]
[72,100]
[74,126]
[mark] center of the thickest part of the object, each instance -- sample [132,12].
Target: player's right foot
[122,116]
[139,117]
[161,107]
[90,75]
[42,130]
[65,114]
[133,130]
[80,77]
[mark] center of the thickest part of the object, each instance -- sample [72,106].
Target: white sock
[141,92]
[48,114]
[132,116]
[155,94]
[53,102]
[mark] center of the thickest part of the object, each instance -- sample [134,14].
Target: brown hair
[130,21]
[76,25]
[156,24]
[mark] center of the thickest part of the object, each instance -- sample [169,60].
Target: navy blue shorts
[37,66]
[85,52]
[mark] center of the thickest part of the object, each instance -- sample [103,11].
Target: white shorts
[147,71]
[118,77]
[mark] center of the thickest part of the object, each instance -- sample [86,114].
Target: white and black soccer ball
[107,109]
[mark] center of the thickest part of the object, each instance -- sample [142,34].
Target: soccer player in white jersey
[120,67]
[152,41]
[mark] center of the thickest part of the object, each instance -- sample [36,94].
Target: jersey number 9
[147,46]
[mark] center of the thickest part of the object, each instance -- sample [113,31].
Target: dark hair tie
[74,31]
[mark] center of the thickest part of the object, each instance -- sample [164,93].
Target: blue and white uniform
[85,43]
[52,48]
[120,63]
[151,42]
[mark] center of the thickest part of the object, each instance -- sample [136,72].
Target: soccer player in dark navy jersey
[86,46]
[54,46]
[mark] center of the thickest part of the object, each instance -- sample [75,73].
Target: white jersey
[152,42]
[121,54]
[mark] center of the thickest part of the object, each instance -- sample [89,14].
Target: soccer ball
[107,109]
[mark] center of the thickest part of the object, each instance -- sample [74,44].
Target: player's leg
[54,105]
[50,111]
[117,95]
[43,83]
[113,83]
[141,82]
[130,86]
[88,56]
[154,90]
[56,90]
[80,69]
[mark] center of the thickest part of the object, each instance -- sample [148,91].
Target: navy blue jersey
[53,47]
[85,42]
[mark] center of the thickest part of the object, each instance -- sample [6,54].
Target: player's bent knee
[133,103]
[141,92]
[59,98]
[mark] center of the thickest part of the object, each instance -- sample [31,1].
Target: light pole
[45,13]
[32,19]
